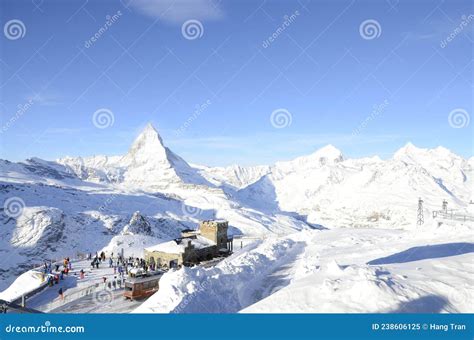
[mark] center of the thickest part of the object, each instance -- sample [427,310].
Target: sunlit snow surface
[315,223]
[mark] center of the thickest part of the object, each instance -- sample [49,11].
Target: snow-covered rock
[138,224]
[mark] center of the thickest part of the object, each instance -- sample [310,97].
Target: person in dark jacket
[60,293]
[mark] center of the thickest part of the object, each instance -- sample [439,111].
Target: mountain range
[79,205]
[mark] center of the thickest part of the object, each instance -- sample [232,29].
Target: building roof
[215,221]
[141,279]
[178,246]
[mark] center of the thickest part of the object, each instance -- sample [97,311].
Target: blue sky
[366,92]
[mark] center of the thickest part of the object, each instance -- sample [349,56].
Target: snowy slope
[339,270]
[425,271]
[132,201]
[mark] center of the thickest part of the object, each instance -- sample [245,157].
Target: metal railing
[451,215]
[89,290]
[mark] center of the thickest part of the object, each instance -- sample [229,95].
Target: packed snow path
[108,302]
[72,284]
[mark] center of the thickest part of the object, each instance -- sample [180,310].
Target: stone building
[193,246]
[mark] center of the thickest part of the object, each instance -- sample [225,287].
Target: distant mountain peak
[150,129]
[328,152]
[409,150]
[150,162]
[147,147]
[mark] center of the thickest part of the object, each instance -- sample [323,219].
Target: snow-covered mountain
[367,191]
[81,205]
[148,164]
[130,201]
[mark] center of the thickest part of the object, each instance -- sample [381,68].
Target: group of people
[53,276]
[115,283]
[97,259]
[120,265]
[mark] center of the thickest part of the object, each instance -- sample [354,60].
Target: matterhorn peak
[150,163]
[147,147]
[150,134]
[150,129]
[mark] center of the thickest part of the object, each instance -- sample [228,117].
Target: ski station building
[194,246]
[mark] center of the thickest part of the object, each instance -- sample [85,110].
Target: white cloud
[178,11]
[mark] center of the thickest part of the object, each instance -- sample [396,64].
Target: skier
[60,293]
